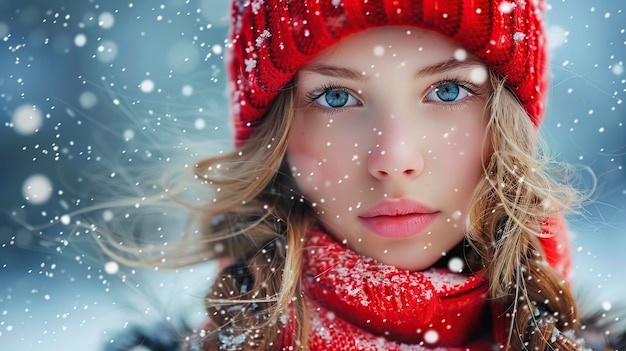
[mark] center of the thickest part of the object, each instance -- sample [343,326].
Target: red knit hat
[272,39]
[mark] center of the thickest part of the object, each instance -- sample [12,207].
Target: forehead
[390,42]
[394,54]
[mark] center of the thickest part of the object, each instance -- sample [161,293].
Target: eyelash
[471,88]
[319,92]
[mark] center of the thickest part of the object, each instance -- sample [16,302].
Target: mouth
[398,219]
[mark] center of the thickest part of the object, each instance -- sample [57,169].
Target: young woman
[386,191]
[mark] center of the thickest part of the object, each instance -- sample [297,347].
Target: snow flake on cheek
[379,50]
[456,215]
[355,207]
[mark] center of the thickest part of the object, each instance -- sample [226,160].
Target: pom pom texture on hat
[272,39]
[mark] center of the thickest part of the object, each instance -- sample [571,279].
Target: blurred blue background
[95,95]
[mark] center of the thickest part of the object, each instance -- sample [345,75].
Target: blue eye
[335,98]
[448,92]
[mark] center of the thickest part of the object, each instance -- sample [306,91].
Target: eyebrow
[334,71]
[437,68]
[452,64]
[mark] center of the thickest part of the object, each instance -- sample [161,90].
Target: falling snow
[89,92]
[26,119]
[103,98]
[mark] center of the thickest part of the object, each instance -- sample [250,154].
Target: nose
[396,154]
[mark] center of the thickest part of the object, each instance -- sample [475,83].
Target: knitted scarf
[357,303]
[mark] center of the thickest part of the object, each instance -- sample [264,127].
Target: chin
[416,258]
[410,265]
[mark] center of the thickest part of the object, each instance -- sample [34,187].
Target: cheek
[329,170]
[324,151]
[316,164]
[464,154]
[305,164]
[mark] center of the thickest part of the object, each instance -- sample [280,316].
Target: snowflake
[259,41]
[250,64]
[506,7]
[232,342]
[256,5]
[519,36]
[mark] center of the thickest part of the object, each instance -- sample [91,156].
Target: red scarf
[357,303]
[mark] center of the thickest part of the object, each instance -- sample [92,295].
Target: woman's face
[387,142]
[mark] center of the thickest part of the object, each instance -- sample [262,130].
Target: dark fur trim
[158,337]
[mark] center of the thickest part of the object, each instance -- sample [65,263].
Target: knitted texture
[272,39]
[435,307]
[357,303]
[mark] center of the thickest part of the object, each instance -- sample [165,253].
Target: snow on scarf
[357,303]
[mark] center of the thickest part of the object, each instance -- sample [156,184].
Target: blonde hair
[259,220]
[519,191]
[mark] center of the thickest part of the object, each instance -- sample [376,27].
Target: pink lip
[398,218]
